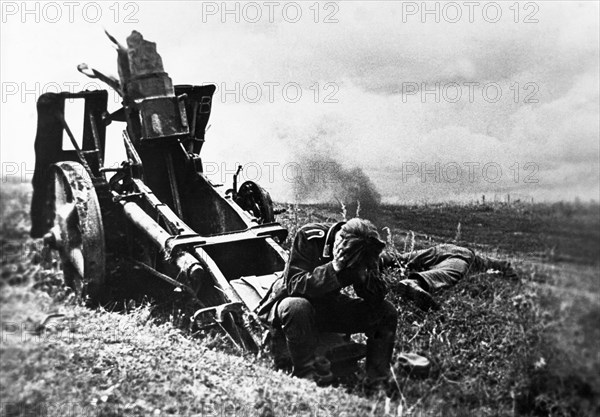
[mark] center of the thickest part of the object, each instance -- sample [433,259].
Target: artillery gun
[155,215]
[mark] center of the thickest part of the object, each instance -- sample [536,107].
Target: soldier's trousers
[444,265]
[301,320]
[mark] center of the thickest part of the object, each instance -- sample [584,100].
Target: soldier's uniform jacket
[309,272]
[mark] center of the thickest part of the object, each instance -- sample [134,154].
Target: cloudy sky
[433,101]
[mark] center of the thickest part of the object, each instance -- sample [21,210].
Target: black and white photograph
[300,208]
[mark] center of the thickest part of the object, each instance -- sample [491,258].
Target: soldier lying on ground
[306,299]
[441,266]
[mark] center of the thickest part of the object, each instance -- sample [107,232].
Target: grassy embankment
[498,347]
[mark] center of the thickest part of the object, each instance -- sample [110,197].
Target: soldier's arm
[372,289]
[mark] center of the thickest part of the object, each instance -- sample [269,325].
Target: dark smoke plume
[321,179]
[322,176]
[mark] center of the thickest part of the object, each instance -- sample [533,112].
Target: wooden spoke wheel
[257,201]
[78,233]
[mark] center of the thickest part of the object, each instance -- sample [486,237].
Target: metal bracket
[220,311]
[182,241]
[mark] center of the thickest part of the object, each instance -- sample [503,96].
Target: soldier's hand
[342,254]
[339,262]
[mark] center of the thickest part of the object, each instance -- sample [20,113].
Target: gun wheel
[77,234]
[257,201]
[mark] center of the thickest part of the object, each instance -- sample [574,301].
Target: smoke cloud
[323,179]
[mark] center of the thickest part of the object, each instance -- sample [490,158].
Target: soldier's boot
[410,289]
[279,350]
[380,346]
[320,372]
[504,267]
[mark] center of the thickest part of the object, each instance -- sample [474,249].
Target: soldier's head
[359,239]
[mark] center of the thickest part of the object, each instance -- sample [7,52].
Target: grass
[501,347]
[498,347]
[95,362]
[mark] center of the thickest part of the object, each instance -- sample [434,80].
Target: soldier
[306,299]
[326,258]
[441,266]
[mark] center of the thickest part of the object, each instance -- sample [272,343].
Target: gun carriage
[157,214]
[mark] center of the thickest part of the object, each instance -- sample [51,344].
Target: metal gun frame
[157,214]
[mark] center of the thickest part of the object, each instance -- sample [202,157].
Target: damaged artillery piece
[156,215]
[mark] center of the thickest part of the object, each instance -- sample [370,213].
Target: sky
[433,101]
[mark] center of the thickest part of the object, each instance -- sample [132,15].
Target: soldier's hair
[366,232]
[360,228]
